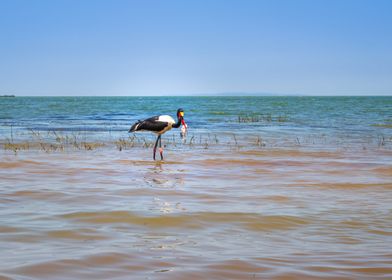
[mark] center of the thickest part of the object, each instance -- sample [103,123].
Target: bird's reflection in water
[158,167]
[164,206]
[160,177]
[164,180]
[155,177]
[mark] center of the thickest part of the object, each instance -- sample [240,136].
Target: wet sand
[201,214]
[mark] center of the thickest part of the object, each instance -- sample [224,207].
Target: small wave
[38,195]
[9,229]
[249,221]
[352,185]
[78,234]
[18,164]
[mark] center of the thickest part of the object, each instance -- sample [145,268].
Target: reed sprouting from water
[57,141]
[266,118]
[51,142]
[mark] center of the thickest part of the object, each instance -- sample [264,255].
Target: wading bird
[159,125]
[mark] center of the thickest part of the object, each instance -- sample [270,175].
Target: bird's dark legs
[160,147]
[155,147]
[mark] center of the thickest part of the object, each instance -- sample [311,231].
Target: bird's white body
[170,121]
[166,118]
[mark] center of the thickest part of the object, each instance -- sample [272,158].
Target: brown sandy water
[202,214]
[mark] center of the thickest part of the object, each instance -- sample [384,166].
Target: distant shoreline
[7,95]
[217,95]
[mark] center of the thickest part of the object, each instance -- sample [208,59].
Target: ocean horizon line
[207,95]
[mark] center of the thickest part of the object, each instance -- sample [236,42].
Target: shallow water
[215,213]
[262,188]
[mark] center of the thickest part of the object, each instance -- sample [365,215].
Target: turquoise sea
[328,122]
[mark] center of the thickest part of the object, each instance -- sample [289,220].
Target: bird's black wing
[150,124]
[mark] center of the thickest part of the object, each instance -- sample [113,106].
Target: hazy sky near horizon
[171,47]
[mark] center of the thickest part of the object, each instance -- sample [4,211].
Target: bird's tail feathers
[135,126]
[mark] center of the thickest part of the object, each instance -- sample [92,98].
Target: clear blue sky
[154,47]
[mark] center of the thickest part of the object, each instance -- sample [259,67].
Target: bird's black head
[180,113]
[180,116]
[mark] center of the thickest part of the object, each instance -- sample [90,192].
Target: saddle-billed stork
[159,125]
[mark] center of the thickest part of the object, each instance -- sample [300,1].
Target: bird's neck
[178,123]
